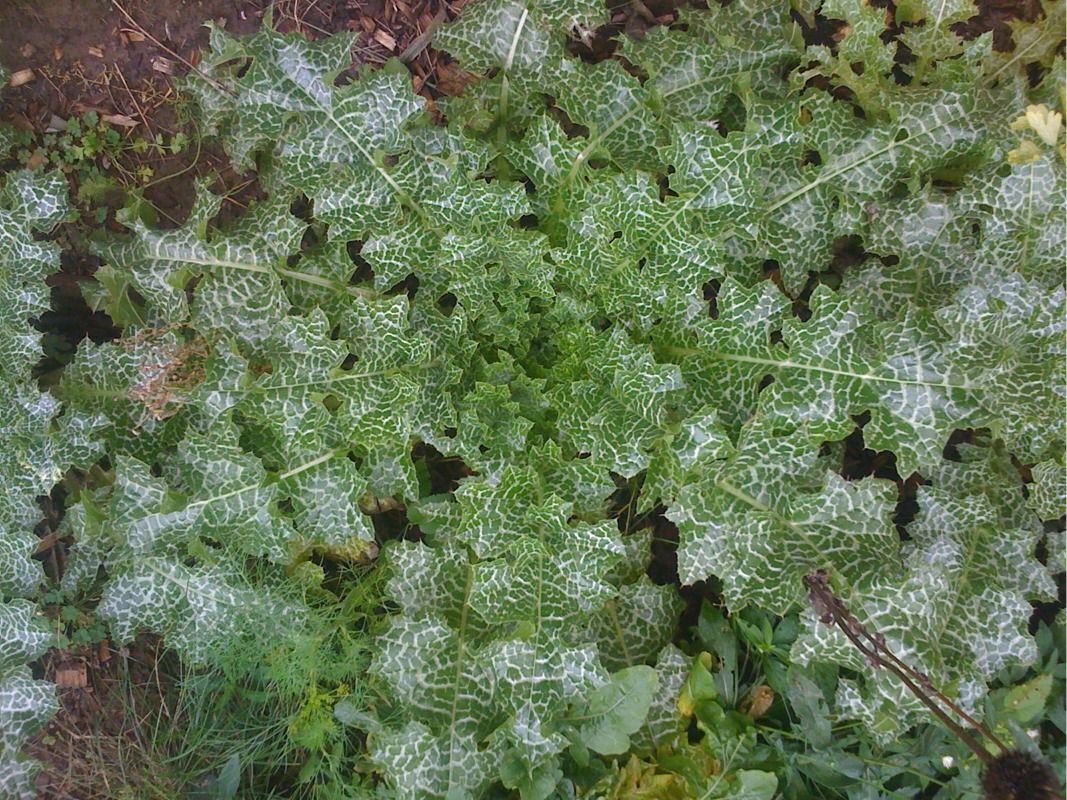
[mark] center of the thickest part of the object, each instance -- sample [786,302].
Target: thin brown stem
[832,611]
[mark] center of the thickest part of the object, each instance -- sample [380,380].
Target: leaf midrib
[785,364]
[247,266]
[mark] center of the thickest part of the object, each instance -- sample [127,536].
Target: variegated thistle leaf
[522,43]
[1011,332]
[827,369]
[498,638]
[29,204]
[240,270]
[960,610]
[627,251]
[217,502]
[139,384]
[686,74]
[213,491]
[935,244]
[347,148]
[25,704]
[1048,500]
[764,516]
[612,398]
[201,611]
[37,450]
[801,177]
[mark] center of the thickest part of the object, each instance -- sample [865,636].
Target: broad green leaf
[616,710]
[861,44]
[1025,702]
[700,441]
[692,72]
[926,244]
[665,726]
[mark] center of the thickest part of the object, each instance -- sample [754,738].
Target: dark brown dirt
[93,747]
[117,56]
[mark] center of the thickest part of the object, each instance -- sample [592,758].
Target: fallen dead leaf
[120,119]
[21,77]
[452,80]
[758,701]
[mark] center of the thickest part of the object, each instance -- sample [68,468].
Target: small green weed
[102,161]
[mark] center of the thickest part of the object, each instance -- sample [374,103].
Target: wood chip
[385,39]
[72,675]
[96,51]
[133,36]
[21,77]
[164,65]
[120,119]
[452,80]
